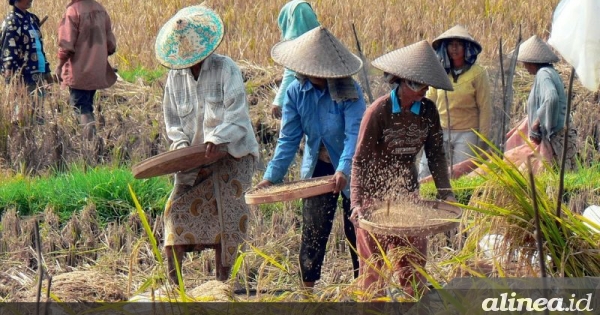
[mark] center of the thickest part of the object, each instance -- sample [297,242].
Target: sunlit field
[93,232]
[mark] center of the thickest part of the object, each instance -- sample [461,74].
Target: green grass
[146,75]
[69,192]
[584,180]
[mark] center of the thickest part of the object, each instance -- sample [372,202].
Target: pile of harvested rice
[84,286]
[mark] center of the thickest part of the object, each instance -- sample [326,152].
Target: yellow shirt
[470,102]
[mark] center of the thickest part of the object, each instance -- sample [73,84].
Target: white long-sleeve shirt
[210,109]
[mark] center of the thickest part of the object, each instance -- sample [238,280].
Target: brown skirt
[213,210]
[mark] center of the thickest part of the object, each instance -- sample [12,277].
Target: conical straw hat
[534,50]
[458,32]
[416,62]
[316,53]
[191,35]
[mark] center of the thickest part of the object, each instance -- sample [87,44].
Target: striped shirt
[211,109]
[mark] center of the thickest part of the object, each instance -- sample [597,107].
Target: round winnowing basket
[290,190]
[439,218]
[179,160]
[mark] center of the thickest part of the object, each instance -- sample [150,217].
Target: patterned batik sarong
[557,144]
[213,210]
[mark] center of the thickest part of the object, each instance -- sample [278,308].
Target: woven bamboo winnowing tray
[179,160]
[427,227]
[290,190]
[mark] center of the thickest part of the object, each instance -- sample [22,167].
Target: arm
[288,77]
[111,40]
[353,113]
[68,32]
[484,103]
[367,139]
[547,113]
[11,60]
[289,139]
[432,94]
[172,121]
[236,115]
[436,157]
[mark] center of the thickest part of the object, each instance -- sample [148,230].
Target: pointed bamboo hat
[535,50]
[190,36]
[456,32]
[317,53]
[417,62]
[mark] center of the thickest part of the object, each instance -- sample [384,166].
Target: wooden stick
[364,67]
[449,143]
[507,98]
[561,183]
[39,266]
[388,208]
[538,231]
[43,20]
[46,308]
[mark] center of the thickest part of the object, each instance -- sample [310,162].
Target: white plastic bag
[576,36]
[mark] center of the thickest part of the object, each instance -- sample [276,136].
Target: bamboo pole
[508,92]
[365,74]
[561,183]
[538,231]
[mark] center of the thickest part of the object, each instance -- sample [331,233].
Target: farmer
[205,103]
[547,103]
[468,107]
[24,61]
[325,105]
[295,18]
[85,40]
[393,131]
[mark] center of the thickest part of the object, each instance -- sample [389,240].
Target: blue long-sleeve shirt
[310,112]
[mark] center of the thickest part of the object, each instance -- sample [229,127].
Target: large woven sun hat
[456,32]
[417,62]
[317,53]
[535,50]
[188,37]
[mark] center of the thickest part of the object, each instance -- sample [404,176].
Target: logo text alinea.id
[505,303]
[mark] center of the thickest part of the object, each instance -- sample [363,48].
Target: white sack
[576,36]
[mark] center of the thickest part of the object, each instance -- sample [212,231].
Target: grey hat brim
[535,50]
[456,32]
[317,53]
[417,62]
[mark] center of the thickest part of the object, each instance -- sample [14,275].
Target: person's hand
[340,181]
[535,139]
[263,183]
[211,150]
[49,78]
[276,111]
[58,72]
[536,126]
[357,214]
